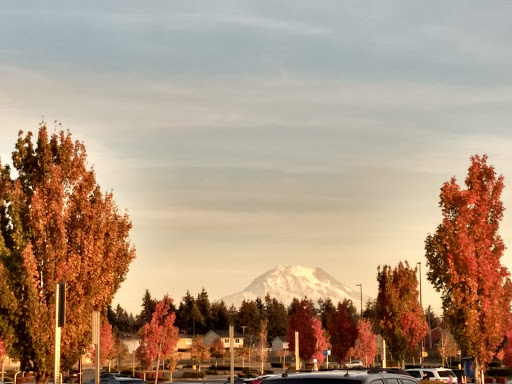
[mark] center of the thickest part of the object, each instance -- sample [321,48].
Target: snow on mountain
[285,283]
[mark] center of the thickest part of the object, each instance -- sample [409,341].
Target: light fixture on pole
[361,292]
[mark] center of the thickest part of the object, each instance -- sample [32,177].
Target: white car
[354,364]
[440,374]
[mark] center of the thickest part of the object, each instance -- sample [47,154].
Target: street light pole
[361,292]
[421,305]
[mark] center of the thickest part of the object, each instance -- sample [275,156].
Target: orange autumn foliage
[56,225]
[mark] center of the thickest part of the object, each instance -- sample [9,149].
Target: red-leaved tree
[342,327]
[107,352]
[402,320]
[322,342]
[463,257]
[367,348]
[507,348]
[159,336]
[3,353]
[302,320]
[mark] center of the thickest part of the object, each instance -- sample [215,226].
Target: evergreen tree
[249,318]
[219,315]
[148,308]
[276,314]
[188,315]
[327,310]
[204,307]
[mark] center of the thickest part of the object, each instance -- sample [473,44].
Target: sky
[244,135]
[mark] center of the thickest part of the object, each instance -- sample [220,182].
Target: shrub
[194,375]
[488,379]
[505,372]
[151,375]
[501,380]
[280,365]
[269,372]
[212,372]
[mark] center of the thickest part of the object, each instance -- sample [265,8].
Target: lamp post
[361,292]
[421,305]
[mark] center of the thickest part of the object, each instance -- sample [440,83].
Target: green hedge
[194,375]
[212,372]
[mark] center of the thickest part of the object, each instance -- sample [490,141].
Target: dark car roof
[342,377]
[118,379]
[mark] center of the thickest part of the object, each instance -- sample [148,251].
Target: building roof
[185,336]
[225,333]
[128,336]
[284,339]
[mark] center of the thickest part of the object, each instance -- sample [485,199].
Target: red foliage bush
[488,379]
[501,380]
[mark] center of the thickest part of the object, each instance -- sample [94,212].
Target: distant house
[184,343]
[279,347]
[211,336]
[279,343]
[131,340]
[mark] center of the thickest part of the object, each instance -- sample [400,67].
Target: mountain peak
[296,281]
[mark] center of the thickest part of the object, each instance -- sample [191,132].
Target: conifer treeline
[197,315]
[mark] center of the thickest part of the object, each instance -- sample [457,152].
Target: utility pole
[60,319]
[361,292]
[297,358]
[231,354]
[96,342]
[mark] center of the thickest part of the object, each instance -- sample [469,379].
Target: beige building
[211,336]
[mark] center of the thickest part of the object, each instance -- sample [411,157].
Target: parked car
[259,379]
[118,380]
[442,374]
[238,380]
[461,376]
[110,375]
[343,377]
[71,376]
[354,364]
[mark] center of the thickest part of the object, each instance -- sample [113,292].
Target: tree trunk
[478,372]
[157,367]
[42,377]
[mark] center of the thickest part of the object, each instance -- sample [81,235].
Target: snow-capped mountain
[285,283]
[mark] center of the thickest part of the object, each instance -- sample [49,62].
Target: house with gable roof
[223,335]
